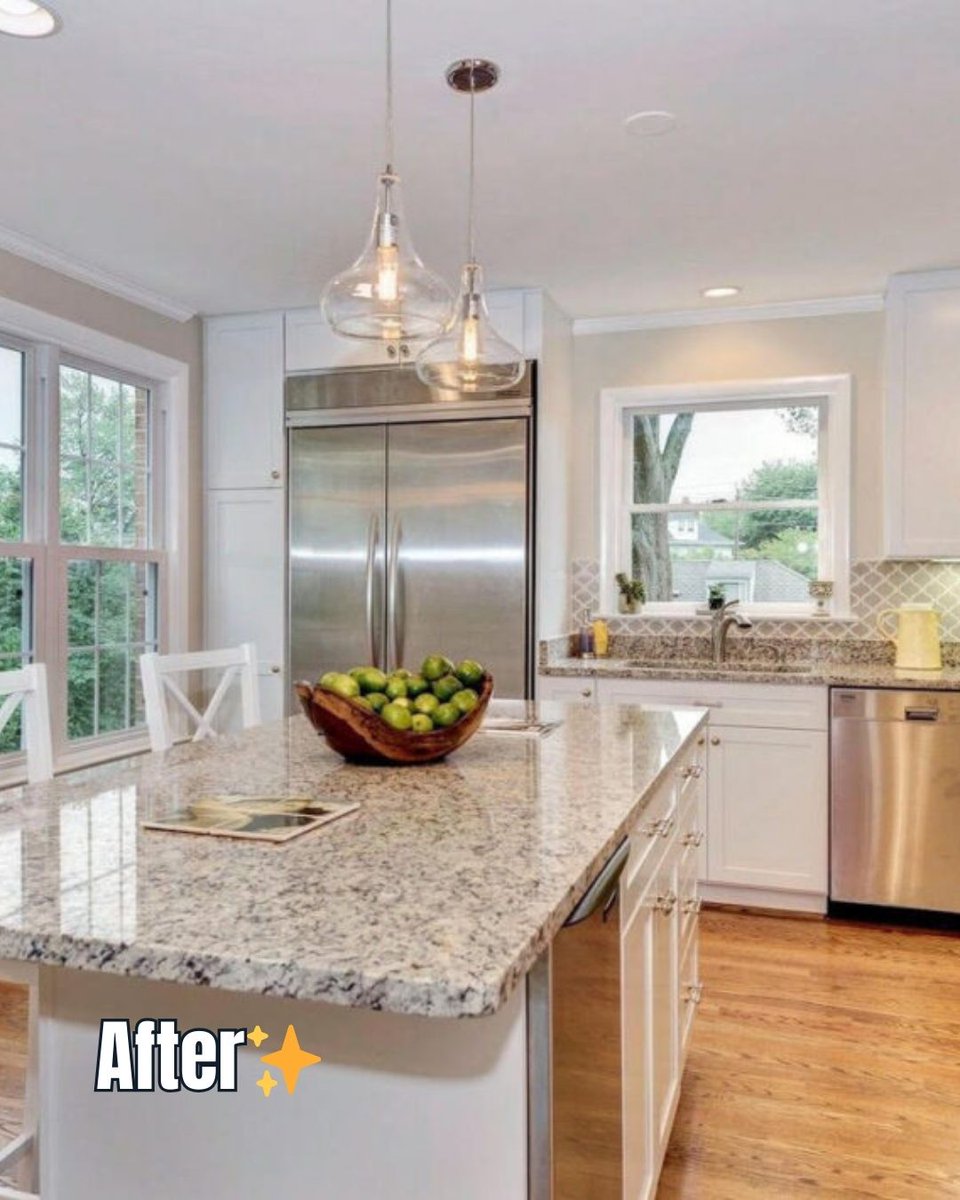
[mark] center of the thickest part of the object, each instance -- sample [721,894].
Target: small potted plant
[716,596]
[632,593]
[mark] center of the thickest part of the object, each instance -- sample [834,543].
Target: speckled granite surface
[435,898]
[824,673]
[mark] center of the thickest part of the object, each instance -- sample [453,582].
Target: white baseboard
[770,898]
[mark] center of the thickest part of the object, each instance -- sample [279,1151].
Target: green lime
[356,672]
[466,700]
[421,723]
[470,673]
[395,687]
[435,666]
[396,716]
[417,685]
[401,673]
[446,687]
[344,685]
[446,714]
[326,680]
[427,703]
[403,701]
[371,680]
[363,702]
[376,700]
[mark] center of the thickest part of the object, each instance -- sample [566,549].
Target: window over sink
[740,489]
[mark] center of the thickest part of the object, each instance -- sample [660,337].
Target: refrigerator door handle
[373,537]
[394,632]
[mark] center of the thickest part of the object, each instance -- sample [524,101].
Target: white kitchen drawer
[758,705]
[566,687]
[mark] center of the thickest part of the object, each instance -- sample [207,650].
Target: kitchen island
[437,899]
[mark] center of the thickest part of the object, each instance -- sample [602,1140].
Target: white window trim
[170,383]
[832,392]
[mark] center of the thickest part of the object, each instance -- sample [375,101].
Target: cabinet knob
[701,741]
[714,741]
[274,474]
[587,693]
[693,905]
[665,904]
[274,670]
[694,993]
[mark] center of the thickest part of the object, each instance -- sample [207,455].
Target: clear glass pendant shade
[388,293]
[471,356]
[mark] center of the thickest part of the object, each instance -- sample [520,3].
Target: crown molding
[829,307]
[63,264]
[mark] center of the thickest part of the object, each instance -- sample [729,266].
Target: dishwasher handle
[602,893]
[921,714]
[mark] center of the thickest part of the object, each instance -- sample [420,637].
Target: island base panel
[413,1108]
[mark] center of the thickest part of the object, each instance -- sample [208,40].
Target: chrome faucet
[722,619]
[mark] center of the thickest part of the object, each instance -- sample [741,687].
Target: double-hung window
[81,539]
[738,490]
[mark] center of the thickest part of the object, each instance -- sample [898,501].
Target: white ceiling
[223,152]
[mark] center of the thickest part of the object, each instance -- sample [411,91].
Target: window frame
[47,342]
[832,394]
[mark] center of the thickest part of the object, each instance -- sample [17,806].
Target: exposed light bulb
[470,342]
[388,274]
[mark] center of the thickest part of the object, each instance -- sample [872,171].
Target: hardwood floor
[13,1044]
[825,1063]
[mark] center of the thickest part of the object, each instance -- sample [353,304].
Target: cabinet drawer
[566,687]
[648,843]
[687,897]
[691,990]
[762,706]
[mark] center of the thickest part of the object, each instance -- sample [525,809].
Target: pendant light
[388,293]
[470,356]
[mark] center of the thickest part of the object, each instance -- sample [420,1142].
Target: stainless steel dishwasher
[895,802]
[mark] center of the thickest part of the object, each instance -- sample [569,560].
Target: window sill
[103,750]
[688,612]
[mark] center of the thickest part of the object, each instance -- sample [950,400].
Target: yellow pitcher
[917,637]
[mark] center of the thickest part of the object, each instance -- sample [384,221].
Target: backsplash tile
[874,586]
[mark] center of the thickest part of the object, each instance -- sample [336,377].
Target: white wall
[850,344]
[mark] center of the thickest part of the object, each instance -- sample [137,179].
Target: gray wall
[752,350]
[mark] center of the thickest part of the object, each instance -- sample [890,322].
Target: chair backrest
[28,687]
[157,670]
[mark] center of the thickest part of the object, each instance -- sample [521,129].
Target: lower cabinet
[765,812]
[766,808]
[658,945]
[244,597]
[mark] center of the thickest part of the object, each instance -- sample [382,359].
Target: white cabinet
[243,401]
[766,808]
[922,428]
[765,812]
[245,574]
[639,1165]
[573,687]
[311,345]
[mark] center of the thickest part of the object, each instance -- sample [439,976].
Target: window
[739,488]
[81,538]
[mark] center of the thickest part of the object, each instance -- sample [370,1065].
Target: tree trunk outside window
[654,472]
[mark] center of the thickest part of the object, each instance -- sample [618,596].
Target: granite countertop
[435,898]
[822,674]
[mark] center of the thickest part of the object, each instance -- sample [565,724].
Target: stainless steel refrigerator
[410,525]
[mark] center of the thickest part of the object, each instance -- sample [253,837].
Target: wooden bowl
[362,737]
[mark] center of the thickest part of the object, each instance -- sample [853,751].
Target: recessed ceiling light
[651,123]
[23,18]
[720,293]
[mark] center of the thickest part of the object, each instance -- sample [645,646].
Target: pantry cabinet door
[243,401]
[245,572]
[767,808]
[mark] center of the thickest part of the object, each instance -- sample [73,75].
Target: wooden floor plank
[825,1063]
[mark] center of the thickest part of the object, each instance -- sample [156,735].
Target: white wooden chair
[18,1158]
[27,686]
[156,670]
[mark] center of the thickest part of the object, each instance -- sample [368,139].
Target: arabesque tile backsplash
[874,586]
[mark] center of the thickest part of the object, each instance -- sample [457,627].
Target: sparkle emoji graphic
[266,1083]
[290,1060]
[257,1036]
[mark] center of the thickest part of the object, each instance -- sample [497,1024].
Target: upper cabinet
[243,402]
[311,345]
[922,428]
